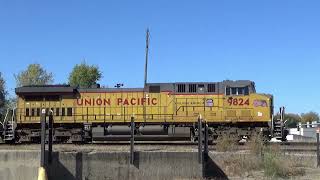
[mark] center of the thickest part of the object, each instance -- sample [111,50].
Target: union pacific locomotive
[160,111]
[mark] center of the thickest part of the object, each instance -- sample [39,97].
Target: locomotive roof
[238,83]
[45,89]
[66,89]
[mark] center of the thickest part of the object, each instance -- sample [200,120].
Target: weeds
[264,157]
[240,165]
[256,144]
[226,143]
[276,165]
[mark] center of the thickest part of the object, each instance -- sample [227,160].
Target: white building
[306,132]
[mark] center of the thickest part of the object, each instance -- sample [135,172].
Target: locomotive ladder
[278,129]
[9,125]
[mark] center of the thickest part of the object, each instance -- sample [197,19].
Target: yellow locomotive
[160,110]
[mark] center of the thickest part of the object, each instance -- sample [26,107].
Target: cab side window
[38,111]
[237,91]
[32,112]
[228,91]
[69,111]
[240,91]
[63,111]
[234,91]
[246,90]
[27,112]
[57,112]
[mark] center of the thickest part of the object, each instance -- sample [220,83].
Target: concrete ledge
[16,165]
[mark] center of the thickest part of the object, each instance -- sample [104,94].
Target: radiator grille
[231,113]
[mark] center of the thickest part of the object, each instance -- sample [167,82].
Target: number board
[238,101]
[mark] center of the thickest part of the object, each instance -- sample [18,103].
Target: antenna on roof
[146,63]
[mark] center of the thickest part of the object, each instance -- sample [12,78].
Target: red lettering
[240,102]
[247,102]
[237,101]
[133,101]
[87,102]
[143,100]
[154,101]
[106,101]
[80,103]
[230,101]
[119,101]
[99,101]
[126,102]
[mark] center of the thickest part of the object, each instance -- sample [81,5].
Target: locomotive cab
[239,88]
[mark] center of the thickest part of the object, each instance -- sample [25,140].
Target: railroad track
[160,145]
[176,143]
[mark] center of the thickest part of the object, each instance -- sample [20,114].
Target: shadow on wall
[211,170]
[75,170]
[59,171]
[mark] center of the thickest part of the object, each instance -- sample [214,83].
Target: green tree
[84,75]
[11,102]
[2,92]
[310,116]
[33,75]
[292,120]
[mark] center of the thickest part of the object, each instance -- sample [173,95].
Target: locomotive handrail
[13,116]
[5,119]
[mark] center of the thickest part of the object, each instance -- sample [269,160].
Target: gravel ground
[311,174]
[103,147]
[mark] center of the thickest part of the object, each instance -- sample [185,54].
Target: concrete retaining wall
[23,165]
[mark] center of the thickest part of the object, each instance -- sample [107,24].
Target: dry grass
[272,165]
[226,143]
[256,144]
[263,157]
[241,165]
[276,165]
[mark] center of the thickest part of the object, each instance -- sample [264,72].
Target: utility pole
[146,63]
[146,75]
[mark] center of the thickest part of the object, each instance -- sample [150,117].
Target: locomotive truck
[160,111]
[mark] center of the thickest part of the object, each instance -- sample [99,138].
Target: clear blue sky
[274,43]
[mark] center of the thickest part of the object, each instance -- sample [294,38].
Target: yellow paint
[42,175]
[168,108]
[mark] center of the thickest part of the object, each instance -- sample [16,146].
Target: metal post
[43,137]
[132,141]
[206,138]
[50,137]
[205,151]
[318,152]
[282,122]
[200,139]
